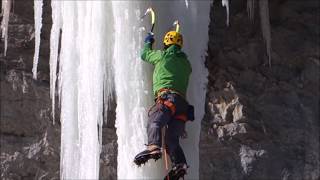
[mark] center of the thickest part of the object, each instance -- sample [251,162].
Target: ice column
[5,11]
[38,24]
[86,51]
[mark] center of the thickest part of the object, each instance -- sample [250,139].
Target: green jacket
[172,68]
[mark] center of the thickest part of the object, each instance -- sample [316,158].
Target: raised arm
[149,55]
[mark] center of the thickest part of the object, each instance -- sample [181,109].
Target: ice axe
[153,17]
[176,23]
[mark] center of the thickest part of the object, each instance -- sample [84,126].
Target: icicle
[54,48]
[38,24]
[225,3]
[187,3]
[265,26]
[5,11]
[250,9]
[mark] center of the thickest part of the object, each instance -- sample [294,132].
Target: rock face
[260,122]
[29,140]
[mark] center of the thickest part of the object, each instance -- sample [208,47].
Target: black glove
[149,38]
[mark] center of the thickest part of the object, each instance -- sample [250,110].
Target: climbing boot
[177,172]
[152,152]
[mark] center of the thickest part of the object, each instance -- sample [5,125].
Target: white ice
[5,11]
[54,48]
[38,25]
[86,48]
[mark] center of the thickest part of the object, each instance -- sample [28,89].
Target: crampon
[144,156]
[177,172]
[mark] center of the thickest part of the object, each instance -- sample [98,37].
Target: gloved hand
[149,38]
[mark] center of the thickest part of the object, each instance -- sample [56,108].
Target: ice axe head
[153,18]
[176,23]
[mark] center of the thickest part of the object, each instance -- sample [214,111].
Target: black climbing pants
[160,117]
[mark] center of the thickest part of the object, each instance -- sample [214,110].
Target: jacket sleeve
[149,55]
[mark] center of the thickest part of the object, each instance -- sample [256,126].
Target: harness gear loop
[168,90]
[170,105]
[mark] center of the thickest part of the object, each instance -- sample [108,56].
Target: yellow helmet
[173,37]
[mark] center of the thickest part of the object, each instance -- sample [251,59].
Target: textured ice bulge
[5,11]
[38,24]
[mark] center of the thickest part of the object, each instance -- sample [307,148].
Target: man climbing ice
[171,110]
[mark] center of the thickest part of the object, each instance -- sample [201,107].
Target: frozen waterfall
[84,63]
[100,45]
[133,78]
[101,42]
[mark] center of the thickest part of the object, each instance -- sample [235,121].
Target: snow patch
[35,148]
[248,156]
[13,78]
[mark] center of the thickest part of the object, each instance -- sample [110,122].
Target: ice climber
[171,110]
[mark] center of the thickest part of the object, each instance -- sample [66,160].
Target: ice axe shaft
[153,17]
[177,24]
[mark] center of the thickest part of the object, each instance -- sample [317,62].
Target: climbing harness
[162,100]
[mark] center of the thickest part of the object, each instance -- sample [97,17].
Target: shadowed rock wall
[261,122]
